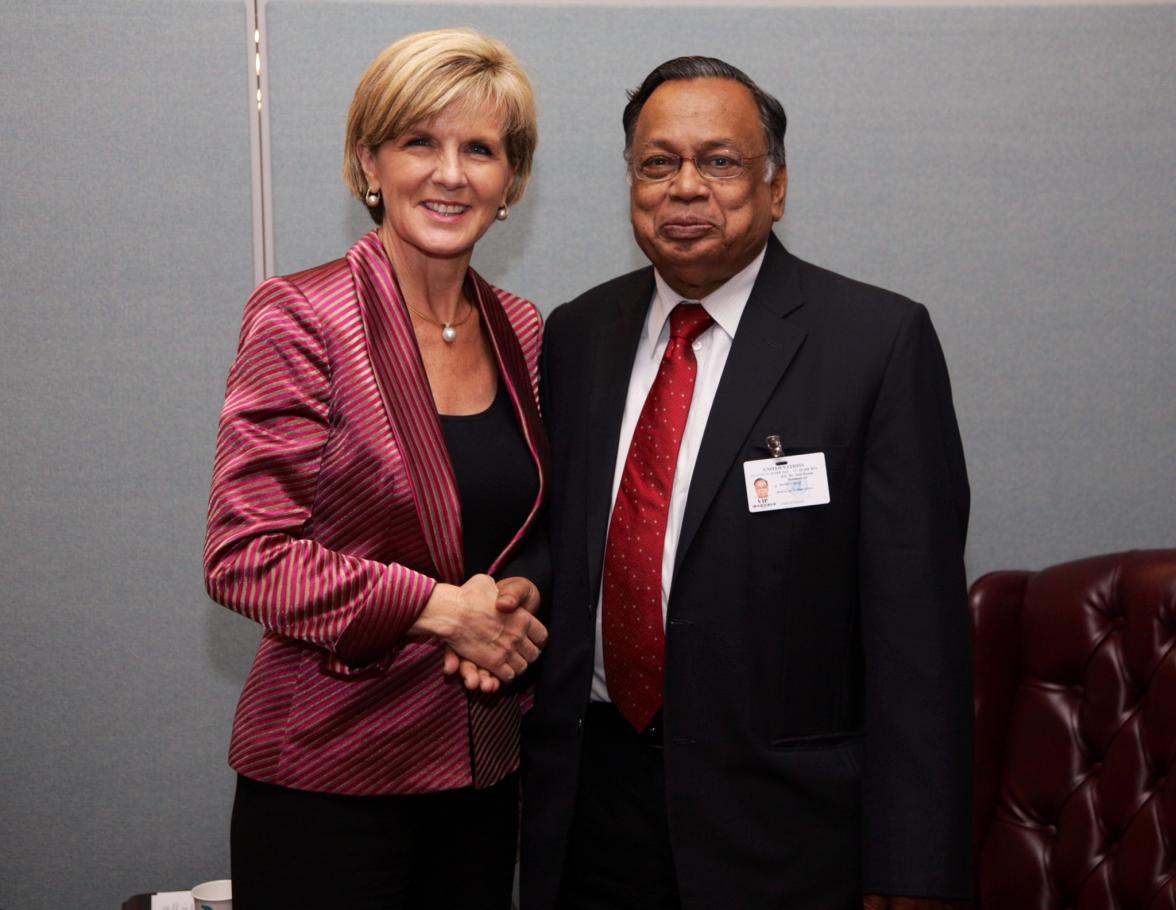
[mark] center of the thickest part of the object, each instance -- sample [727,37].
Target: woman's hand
[486,628]
[513,593]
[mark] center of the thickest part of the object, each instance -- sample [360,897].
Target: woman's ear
[367,160]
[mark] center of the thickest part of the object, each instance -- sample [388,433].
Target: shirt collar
[724,305]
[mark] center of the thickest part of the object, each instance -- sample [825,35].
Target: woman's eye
[417,141]
[478,148]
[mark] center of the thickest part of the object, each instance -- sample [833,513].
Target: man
[745,707]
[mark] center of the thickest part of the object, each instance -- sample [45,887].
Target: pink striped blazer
[334,512]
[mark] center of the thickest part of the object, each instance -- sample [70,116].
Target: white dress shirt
[725,307]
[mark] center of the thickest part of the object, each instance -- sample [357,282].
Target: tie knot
[688,321]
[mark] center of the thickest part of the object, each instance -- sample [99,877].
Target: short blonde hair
[419,76]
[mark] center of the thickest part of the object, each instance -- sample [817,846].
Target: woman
[380,446]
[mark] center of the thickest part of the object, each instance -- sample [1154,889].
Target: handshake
[489,629]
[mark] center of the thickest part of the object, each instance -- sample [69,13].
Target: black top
[497,481]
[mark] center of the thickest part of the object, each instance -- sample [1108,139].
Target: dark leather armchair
[1075,672]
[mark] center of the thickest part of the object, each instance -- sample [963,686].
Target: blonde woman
[380,462]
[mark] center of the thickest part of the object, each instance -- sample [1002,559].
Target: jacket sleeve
[258,560]
[916,783]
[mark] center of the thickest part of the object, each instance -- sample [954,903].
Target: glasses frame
[693,159]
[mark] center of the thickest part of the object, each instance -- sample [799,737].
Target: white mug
[216,895]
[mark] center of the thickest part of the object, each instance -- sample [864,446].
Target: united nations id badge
[788,482]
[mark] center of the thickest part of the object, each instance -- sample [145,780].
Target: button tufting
[1117,810]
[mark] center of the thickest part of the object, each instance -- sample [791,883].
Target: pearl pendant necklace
[448,329]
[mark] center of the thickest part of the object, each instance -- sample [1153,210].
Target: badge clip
[775,446]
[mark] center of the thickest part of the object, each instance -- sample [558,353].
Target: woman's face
[442,182]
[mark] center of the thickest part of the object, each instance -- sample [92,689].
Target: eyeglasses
[725,165]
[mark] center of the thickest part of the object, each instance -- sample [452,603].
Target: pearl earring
[372,198]
[502,214]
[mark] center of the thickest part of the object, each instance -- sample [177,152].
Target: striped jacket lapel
[523,391]
[408,401]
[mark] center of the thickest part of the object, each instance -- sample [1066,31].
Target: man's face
[699,232]
[761,489]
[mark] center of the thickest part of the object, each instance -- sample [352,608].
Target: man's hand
[513,593]
[887,902]
[472,676]
[516,592]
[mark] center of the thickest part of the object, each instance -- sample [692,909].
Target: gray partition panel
[1011,167]
[126,251]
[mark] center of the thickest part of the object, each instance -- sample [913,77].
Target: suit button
[580,725]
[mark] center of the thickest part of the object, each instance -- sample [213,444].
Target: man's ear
[779,192]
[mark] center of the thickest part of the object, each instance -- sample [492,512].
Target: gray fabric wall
[1010,167]
[125,256]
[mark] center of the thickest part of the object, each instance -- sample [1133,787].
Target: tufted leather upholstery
[1075,671]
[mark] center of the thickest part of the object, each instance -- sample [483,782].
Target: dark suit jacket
[817,700]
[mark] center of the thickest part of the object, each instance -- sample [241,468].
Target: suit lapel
[408,401]
[761,351]
[614,345]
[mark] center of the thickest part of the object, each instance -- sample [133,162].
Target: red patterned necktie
[631,627]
